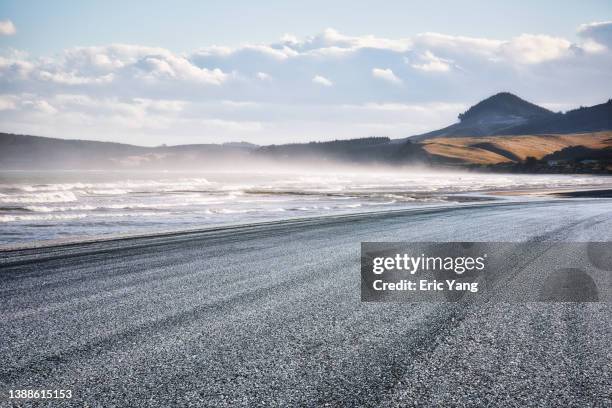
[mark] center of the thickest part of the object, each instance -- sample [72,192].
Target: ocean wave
[40,197]
[275,210]
[159,185]
[244,210]
[52,187]
[49,217]
[158,205]
[47,209]
[228,211]
[383,203]
[123,206]
[401,197]
[57,217]
[110,191]
[137,214]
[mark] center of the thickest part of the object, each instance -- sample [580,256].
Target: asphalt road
[270,315]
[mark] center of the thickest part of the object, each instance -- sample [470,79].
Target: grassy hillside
[508,149]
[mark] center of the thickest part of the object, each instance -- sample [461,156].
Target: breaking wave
[41,197]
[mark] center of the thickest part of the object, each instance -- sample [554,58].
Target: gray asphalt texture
[270,315]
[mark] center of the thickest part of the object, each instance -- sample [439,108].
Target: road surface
[270,315]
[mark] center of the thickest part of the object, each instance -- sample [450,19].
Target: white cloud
[331,38]
[263,76]
[39,105]
[524,49]
[14,68]
[266,51]
[600,32]
[386,75]
[460,45]
[107,58]
[68,78]
[106,64]
[320,80]
[179,68]
[431,63]
[534,49]
[7,27]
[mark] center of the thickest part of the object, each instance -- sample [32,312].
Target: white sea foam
[138,214]
[63,217]
[229,211]
[40,197]
[46,209]
[49,217]
[109,191]
[157,185]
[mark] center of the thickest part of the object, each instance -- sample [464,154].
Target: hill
[584,119]
[35,152]
[507,114]
[490,150]
[364,150]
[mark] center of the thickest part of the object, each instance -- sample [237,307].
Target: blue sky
[151,72]
[50,26]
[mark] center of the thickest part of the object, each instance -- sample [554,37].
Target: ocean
[51,205]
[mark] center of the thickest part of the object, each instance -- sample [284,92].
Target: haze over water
[54,205]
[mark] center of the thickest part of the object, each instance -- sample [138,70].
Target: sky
[152,72]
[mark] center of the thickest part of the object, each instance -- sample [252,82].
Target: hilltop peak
[497,114]
[503,107]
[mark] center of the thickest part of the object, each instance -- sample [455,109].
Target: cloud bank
[326,86]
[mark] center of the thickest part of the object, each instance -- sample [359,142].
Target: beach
[270,314]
